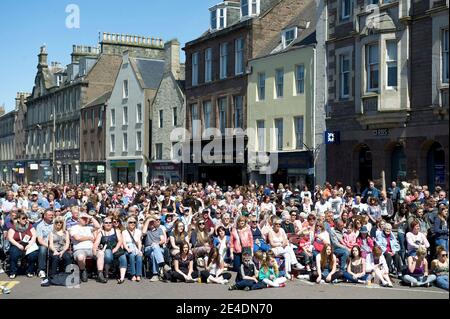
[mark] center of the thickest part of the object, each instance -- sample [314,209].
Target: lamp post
[53,115]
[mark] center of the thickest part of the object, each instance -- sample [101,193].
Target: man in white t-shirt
[336,204]
[83,240]
[361,207]
[322,206]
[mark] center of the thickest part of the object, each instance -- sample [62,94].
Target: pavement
[29,288]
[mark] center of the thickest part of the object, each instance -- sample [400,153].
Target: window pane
[244,8]
[279,82]
[207,114]
[260,134]
[261,86]
[213,20]
[279,133]
[238,114]
[298,122]
[222,114]
[300,79]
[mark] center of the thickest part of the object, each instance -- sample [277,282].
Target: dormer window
[250,8]
[218,18]
[59,80]
[289,35]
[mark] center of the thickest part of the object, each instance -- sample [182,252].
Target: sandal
[138,279]
[134,278]
[120,281]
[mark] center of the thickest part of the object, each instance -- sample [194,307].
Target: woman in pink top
[241,240]
[280,246]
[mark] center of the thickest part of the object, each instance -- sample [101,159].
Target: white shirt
[79,230]
[321,209]
[137,234]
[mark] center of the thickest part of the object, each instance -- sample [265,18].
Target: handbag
[245,250]
[318,246]
[111,244]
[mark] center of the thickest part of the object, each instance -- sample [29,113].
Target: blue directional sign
[332,137]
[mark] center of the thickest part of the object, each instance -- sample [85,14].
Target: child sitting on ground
[270,275]
[247,277]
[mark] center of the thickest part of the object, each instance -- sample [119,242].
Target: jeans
[109,258]
[15,254]
[55,260]
[442,282]
[156,256]
[401,241]
[350,278]
[42,260]
[443,243]
[314,275]
[237,261]
[343,255]
[174,276]
[135,262]
[419,280]
[249,283]
[307,260]
[393,261]
[262,246]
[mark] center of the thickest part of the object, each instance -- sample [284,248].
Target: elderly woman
[22,238]
[417,271]
[280,246]
[390,248]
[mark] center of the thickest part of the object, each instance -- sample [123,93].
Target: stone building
[216,82]
[388,91]
[168,114]
[128,118]
[7,147]
[285,107]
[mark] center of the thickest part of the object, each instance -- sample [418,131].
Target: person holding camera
[107,247]
[415,238]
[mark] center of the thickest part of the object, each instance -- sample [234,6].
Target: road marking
[9,284]
[374,286]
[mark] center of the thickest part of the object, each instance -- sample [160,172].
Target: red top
[24,237]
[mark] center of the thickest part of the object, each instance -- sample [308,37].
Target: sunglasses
[24,218]
[107,223]
[131,222]
[277,224]
[58,223]
[201,223]
[444,255]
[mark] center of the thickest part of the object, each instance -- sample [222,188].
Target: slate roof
[149,72]
[100,100]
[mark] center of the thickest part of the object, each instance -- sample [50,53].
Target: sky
[26,25]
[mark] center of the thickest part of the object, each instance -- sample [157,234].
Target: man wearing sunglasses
[43,230]
[153,245]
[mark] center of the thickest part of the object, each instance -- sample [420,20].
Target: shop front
[93,172]
[167,172]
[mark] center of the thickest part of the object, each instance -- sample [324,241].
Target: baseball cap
[364,230]
[34,193]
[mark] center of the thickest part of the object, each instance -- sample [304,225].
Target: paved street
[299,289]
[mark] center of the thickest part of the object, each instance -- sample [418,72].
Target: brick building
[388,91]
[216,82]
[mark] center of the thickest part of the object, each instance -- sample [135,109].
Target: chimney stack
[43,56]
[172,57]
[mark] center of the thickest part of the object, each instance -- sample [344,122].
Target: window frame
[300,80]
[299,146]
[260,135]
[113,117]
[343,73]
[368,65]
[125,115]
[223,60]
[239,56]
[444,52]
[222,110]
[261,88]
[138,141]
[125,89]
[195,68]
[391,62]
[125,142]
[238,112]
[285,32]
[278,83]
[161,119]
[278,134]
[139,113]
[112,143]
[208,65]
[343,17]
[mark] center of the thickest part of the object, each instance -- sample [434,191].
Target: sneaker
[428,285]
[167,268]
[224,282]
[247,288]
[303,277]
[335,281]
[42,274]
[45,282]
[5,290]
[322,282]
[298,266]
[282,285]
[13,276]
[30,275]
[413,284]
[155,278]
[233,287]
[84,275]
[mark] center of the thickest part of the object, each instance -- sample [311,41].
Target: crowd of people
[268,235]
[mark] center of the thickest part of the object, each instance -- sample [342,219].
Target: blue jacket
[382,242]
[440,229]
